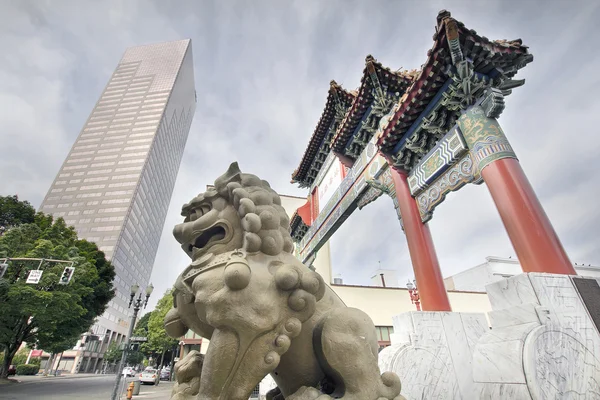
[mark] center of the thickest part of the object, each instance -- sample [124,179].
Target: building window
[383,336]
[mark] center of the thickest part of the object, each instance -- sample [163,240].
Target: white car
[150,376]
[128,371]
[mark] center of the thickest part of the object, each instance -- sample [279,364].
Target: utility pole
[137,304]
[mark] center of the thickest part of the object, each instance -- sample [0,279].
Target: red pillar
[430,283]
[531,233]
[536,244]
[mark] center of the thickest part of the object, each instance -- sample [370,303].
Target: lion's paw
[309,393]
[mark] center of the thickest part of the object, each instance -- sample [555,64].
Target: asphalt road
[88,388]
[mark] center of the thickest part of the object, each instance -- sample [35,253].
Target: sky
[262,71]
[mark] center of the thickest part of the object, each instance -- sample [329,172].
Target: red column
[422,251]
[536,244]
[531,233]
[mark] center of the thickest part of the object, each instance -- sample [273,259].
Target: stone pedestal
[431,351]
[544,343]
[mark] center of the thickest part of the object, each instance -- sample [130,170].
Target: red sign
[36,353]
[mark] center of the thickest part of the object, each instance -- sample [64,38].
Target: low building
[497,268]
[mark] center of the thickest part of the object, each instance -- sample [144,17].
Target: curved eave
[295,221]
[320,132]
[297,227]
[487,56]
[395,81]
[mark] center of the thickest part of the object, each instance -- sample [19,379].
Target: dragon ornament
[262,309]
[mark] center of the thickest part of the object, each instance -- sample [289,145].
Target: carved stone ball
[246,207]
[286,278]
[283,343]
[288,245]
[253,242]
[310,282]
[174,327]
[237,274]
[268,220]
[251,223]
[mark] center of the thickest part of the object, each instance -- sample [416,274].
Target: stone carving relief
[557,362]
[450,181]
[543,344]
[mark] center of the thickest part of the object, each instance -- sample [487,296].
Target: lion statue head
[240,212]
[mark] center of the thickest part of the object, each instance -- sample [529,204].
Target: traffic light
[3,268]
[66,276]
[134,347]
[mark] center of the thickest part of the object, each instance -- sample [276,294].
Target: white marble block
[543,345]
[431,350]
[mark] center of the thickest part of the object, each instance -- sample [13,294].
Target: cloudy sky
[262,71]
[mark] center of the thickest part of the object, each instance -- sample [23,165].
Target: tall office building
[116,183]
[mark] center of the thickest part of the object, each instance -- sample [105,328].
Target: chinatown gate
[417,136]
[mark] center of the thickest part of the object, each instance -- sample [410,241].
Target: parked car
[128,371]
[12,370]
[165,375]
[150,376]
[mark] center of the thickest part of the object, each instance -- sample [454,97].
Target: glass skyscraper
[116,183]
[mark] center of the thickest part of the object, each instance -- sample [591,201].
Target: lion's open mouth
[210,235]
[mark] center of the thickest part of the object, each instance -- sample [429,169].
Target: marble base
[543,344]
[431,351]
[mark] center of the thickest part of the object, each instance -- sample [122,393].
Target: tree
[141,328]
[50,316]
[158,340]
[14,212]
[113,355]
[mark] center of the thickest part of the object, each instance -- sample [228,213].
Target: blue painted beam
[436,99]
[359,125]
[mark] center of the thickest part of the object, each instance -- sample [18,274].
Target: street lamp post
[414,294]
[137,304]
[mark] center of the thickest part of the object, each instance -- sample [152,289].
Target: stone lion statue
[263,310]
[188,372]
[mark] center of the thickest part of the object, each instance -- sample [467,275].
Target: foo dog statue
[263,310]
[188,371]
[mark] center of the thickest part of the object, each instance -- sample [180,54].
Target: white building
[497,268]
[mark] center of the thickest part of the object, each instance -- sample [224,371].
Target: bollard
[130,391]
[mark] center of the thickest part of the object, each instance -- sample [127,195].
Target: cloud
[262,72]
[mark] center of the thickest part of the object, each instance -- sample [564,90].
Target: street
[95,387]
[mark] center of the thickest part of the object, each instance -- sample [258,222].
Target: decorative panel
[343,201]
[460,174]
[450,149]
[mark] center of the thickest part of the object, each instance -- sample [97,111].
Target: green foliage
[50,316]
[134,357]
[27,369]
[141,328]
[21,357]
[113,355]
[158,340]
[14,212]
